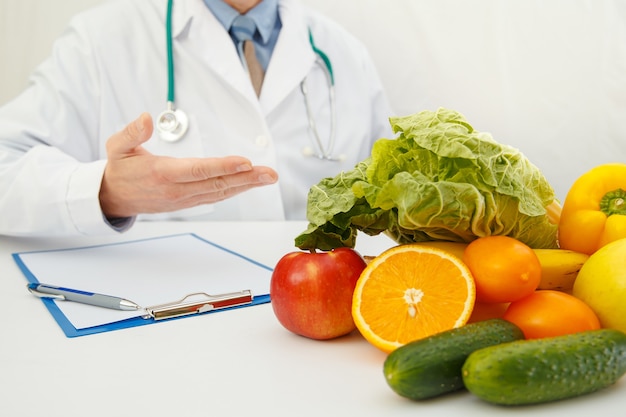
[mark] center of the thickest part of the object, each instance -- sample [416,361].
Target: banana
[559,267]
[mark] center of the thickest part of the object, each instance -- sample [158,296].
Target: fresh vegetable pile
[491,287]
[438,180]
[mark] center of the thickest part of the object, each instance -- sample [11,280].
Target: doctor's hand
[136,181]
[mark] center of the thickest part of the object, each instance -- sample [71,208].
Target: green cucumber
[542,370]
[430,367]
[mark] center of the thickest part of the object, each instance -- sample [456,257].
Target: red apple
[311,292]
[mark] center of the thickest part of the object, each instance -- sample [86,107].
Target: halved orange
[409,292]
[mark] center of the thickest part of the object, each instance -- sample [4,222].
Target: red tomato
[547,313]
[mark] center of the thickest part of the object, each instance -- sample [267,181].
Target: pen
[83,297]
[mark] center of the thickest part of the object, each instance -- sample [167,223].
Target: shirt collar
[264,14]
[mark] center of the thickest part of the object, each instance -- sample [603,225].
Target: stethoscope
[173,123]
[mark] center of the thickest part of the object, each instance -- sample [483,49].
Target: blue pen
[83,297]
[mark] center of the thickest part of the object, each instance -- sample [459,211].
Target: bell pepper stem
[614,202]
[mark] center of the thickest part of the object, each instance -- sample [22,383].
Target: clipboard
[172,277]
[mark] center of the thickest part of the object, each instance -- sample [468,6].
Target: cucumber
[430,367]
[542,370]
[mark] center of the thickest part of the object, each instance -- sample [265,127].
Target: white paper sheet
[148,272]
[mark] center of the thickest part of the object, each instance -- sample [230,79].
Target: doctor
[80,150]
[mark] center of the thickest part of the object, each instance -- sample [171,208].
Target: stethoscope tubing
[170,52]
[322,151]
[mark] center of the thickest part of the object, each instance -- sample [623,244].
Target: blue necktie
[243,29]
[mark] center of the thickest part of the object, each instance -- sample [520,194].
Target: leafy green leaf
[438,180]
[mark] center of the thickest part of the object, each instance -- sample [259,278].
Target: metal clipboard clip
[198,303]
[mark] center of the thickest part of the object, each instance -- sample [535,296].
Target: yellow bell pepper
[594,211]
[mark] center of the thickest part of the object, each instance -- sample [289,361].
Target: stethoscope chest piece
[172,124]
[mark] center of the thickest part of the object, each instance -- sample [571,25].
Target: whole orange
[504,269]
[486,311]
[547,313]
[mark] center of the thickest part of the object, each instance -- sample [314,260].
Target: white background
[545,76]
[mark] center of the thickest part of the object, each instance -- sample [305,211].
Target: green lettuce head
[438,180]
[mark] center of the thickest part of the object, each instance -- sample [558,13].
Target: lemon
[601,283]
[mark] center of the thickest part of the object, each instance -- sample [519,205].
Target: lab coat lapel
[193,25]
[291,60]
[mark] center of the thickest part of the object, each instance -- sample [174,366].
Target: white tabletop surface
[236,363]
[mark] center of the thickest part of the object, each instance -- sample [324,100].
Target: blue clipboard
[36,270]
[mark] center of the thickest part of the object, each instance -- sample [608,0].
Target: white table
[234,363]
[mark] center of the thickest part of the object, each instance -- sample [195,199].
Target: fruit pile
[492,277]
[494,316]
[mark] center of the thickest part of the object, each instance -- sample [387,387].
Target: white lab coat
[110,66]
